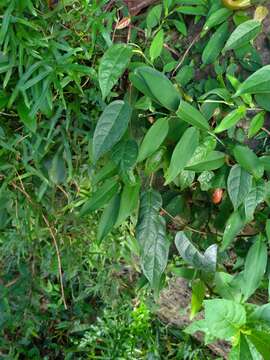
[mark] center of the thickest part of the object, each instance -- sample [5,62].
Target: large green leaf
[191,115]
[248,160]
[241,351]
[239,185]
[234,225]
[151,235]
[57,169]
[216,18]
[153,138]
[215,44]
[129,201]
[231,119]
[198,294]
[182,153]
[206,262]
[108,218]
[156,45]
[260,314]
[157,86]
[255,266]
[150,204]
[110,127]
[214,160]
[244,33]
[112,65]
[101,197]
[124,154]
[257,83]
[254,198]
[261,340]
[154,255]
[224,318]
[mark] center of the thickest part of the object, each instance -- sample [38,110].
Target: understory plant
[157,125]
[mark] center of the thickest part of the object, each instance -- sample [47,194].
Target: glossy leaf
[154,254]
[231,119]
[261,340]
[191,115]
[157,86]
[153,138]
[216,18]
[234,225]
[112,65]
[129,201]
[157,45]
[256,124]
[255,266]
[198,294]
[111,127]
[244,33]
[214,160]
[254,198]
[224,318]
[182,153]
[101,197]
[206,262]
[248,160]
[241,351]
[239,185]
[108,218]
[124,154]
[257,83]
[215,44]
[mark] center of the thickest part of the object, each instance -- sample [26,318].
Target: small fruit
[217,196]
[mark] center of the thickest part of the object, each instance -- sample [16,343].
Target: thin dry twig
[186,53]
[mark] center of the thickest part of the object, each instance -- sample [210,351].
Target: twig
[58,259]
[186,53]
[266,130]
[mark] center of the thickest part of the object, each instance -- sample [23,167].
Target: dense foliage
[128,144]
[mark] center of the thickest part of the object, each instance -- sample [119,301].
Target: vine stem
[58,259]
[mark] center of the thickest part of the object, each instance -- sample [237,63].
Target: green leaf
[191,115]
[112,65]
[255,266]
[24,113]
[154,256]
[231,119]
[256,124]
[198,294]
[267,229]
[257,83]
[243,34]
[154,162]
[208,145]
[150,204]
[254,198]
[261,314]
[101,197]
[206,262]
[108,218]
[182,153]
[224,318]
[124,154]
[248,160]
[153,138]
[110,128]
[216,18]
[57,170]
[199,325]
[157,45]
[241,351]
[129,201]
[239,185]
[214,160]
[226,287]
[151,235]
[157,86]
[153,16]
[261,340]
[215,44]
[234,225]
